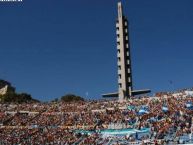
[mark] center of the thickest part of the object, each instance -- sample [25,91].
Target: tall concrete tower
[125,88]
[124,57]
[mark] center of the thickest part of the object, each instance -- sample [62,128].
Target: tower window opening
[126,21]
[129,79]
[127,46]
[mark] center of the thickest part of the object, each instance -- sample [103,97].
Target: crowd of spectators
[168,116]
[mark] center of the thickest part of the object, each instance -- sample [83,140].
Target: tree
[17,98]
[55,100]
[12,97]
[71,98]
[4,83]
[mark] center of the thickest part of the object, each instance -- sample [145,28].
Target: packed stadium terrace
[166,118]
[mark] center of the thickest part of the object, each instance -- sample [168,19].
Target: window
[127,53]
[126,38]
[129,79]
[127,45]
[126,23]
[120,85]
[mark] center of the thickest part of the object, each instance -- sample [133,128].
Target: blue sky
[52,47]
